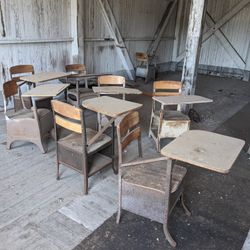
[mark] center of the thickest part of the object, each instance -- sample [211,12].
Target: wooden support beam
[247,67]
[161,28]
[193,46]
[215,28]
[117,37]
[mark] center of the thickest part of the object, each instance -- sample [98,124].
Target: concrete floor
[38,212]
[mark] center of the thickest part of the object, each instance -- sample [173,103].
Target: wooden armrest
[144,161]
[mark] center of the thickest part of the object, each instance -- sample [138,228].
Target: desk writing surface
[46,90]
[110,106]
[205,149]
[181,99]
[44,76]
[116,90]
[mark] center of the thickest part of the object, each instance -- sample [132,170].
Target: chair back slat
[128,130]
[70,125]
[10,88]
[165,88]
[66,110]
[142,57]
[111,80]
[78,68]
[135,134]
[130,121]
[21,70]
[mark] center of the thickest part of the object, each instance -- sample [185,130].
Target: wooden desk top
[205,149]
[110,106]
[181,99]
[44,77]
[116,90]
[46,90]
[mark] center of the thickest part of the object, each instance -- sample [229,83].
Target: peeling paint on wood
[30,21]
[3,33]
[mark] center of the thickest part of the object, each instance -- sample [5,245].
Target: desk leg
[113,148]
[86,83]
[77,93]
[65,91]
[167,201]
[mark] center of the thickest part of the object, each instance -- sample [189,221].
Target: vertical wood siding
[23,24]
[137,20]
[237,31]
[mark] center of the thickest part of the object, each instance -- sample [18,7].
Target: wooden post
[193,46]
[247,67]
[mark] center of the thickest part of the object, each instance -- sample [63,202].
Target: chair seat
[74,141]
[173,115]
[153,176]
[28,113]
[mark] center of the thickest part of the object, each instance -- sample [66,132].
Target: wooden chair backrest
[167,88]
[128,130]
[10,88]
[68,116]
[19,70]
[78,68]
[141,57]
[111,80]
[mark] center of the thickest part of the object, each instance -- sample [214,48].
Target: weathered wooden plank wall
[34,32]
[137,20]
[39,32]
[236,31]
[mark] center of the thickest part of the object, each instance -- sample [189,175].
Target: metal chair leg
[168,236]
[186,210]
[85,184]
[57,171]
[118,217]
[167,194]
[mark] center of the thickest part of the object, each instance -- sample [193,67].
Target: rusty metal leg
[186,210]
[167,198]
[57,171]
[85,184]
[158,144]
[113,148]
[119,200]
[139,148]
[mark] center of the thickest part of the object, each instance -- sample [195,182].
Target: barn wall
[35,32]
[137,21]
[217,55]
